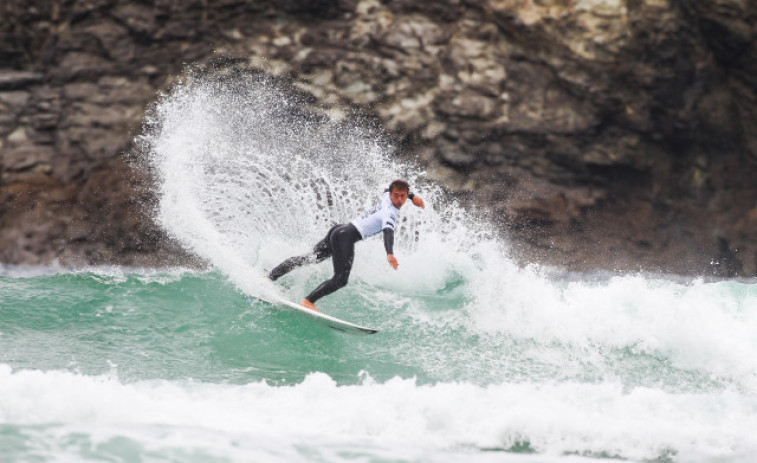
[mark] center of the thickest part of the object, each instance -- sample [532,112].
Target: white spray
[248,178]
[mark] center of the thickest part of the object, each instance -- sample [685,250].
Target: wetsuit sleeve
[387,225]
[389,240]
[388,217]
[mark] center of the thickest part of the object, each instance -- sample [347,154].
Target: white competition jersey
[382,215]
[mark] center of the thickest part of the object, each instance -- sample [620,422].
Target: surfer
[339,243]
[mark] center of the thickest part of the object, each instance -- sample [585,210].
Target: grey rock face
[615,134]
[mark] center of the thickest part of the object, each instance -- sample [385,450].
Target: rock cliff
[612,134]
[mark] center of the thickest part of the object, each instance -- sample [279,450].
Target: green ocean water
[191,325]
[198,325]
[114,364]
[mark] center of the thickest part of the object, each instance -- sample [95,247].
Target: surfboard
[321,318]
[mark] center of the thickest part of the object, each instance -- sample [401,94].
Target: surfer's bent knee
[340,281]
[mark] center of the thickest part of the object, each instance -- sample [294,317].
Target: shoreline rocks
[598,134]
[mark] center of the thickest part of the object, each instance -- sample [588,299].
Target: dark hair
[399,185]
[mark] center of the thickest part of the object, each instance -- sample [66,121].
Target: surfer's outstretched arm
[417,201]
[389,246]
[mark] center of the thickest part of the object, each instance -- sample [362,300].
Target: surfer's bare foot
[308,304]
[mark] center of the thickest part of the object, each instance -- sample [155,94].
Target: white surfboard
[321,318]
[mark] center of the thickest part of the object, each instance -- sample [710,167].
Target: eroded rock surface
[614,134]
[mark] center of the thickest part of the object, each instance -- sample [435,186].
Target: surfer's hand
[418,202]
[392,261]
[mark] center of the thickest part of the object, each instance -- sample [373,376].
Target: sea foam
[552,419]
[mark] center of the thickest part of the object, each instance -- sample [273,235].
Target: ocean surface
[477,359]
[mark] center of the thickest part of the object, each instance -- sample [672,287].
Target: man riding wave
[339,243]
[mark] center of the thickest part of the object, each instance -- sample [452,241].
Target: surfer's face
[398,197]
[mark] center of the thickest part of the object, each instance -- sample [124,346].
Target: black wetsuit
[339,244]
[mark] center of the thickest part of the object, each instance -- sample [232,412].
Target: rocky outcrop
[615,134]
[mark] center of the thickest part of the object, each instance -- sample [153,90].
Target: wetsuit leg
[321,251]
[342,242]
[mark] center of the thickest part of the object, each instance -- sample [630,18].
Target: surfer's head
[398,191]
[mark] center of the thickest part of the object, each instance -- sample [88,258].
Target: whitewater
[478,359]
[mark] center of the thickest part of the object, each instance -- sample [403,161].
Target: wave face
[477,359]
